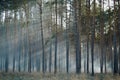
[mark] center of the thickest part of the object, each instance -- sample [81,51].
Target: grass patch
[60,76]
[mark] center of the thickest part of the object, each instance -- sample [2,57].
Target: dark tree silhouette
[67,42]
[93,37]
[115,41]
[77,34]
[102,35]
[42,36]
[55,59]
[88,26]
[7,46]
[119,31]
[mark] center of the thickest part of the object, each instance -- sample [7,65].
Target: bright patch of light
[3,16]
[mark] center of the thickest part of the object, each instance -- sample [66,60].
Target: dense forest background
[60,36]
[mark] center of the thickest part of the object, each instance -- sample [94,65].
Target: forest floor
[39,76]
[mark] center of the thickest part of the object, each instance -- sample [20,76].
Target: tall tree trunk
[15,41]
[42,36]
[0,47]
[28,53]
[50,46]
[93,37]
[119,31]
[7,50]
[79,32]
[115,42]
[50,56]
[110,40]
[102,36]
[88,26]
[67,42]
[28,37]
[55,65]
[106,59]
[19,43]
[77,37]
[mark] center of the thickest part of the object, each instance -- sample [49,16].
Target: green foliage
[12,4]
[49,3]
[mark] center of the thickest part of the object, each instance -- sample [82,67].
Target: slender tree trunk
[19,61]
[7,50]
[102,37]
[110,40]
[15,41]
[50,47]
[75,29]
[88,26]
[0,47]
[28,53]
[22,41]
[115,42]
[42,36]
[0,62]
[77,37]
[115,54]
[106,59]
[93,37]
[19,43]
[50,57]
[79,32]
[55,65]
[67,43]
[28,37]
[105,46]
[119,31]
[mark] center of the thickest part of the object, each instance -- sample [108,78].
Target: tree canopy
[12,4]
